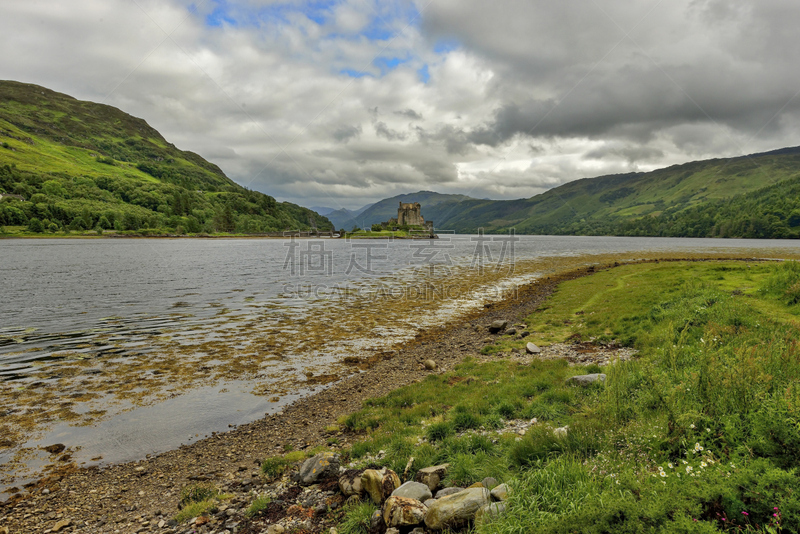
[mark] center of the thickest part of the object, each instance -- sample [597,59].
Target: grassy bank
[699,433]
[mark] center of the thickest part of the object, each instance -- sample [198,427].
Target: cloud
[345,103]
[410,113]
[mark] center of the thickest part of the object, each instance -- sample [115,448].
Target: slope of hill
[82,165]
[622,203]
[345,218]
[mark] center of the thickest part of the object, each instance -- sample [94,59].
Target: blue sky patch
[354,73]
[445,46]
[424,74]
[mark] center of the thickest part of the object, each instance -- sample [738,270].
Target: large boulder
[350,483]
[379,484]
[323,465]
[432,476]
[455,510]
[500,493]
[413,490]
[531,348]
[403,512]
[498,326]
[585,380]
[444,492]
[489,511]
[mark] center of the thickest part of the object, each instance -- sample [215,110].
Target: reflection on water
[102,339]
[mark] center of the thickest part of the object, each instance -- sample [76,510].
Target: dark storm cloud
[344,133]
[410,113]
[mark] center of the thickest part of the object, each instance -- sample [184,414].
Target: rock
[489,482]
[379,484]
[432,476]
[530,348]
[524,333]
[476,485]
[430,365]
[64,523]
[392,531]
[413,490]
[498,326]
[403,512]
[202,520]
[489,511]
[350,483]
[455,510]
[500,493]
[429,502]
[376,523]
[321,466]
[448,491]
[275,529]
[585,380]
[4,530]
[55,449]
[510,332]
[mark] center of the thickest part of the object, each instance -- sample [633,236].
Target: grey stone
[430,365]
[403,512]
[321,466]
[510,332]
[427,503]
[392,530]
[489,482]
[489,511]
[432,476]
[413,490]
[447,491]
[456,509]
[498,326]
[532,348]
[500,493]
[376,523]
[350,483]
[585,380]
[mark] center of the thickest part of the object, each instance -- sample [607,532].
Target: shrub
[35,226]
[259,504]
[465,421]
[356,518]
[439,431]
[274,467]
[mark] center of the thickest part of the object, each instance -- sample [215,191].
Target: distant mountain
[81,165]
[345,218]
[662,202]
[322,210]
[434,206]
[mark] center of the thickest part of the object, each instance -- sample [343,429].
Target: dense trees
[58,202]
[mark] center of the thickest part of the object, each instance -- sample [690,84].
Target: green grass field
[699,433]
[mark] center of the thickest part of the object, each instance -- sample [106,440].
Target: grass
[259,504]
[700,433]
[197,500]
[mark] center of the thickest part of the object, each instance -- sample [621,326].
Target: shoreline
[116,495]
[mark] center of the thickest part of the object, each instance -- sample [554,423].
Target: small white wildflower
[688,468]
[708,430]
[692,425]
[703,464]
[663,474]
[670,465]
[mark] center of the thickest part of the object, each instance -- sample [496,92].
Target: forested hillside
[69,165]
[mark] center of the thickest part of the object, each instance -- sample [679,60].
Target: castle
[410,214]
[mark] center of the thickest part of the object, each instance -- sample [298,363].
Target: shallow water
[108,344]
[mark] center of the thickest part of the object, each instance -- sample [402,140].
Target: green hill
[80,165]
[663,202]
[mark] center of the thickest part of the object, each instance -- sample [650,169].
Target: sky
[343,103]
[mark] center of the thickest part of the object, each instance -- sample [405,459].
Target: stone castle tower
[410,214]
